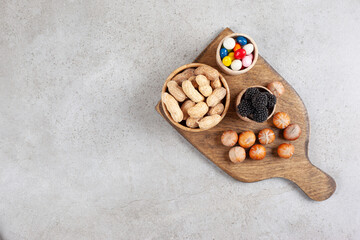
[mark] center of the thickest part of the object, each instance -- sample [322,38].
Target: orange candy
[281,120]
[266,136]
[257,152]
[247,139]
[286,150]
[237,47]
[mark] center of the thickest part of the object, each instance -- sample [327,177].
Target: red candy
[240,54]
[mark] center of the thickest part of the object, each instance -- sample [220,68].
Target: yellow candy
[231,55]
[227,61]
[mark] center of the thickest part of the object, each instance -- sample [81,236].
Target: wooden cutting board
[315,183]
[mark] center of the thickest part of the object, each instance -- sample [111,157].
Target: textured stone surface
[84,155]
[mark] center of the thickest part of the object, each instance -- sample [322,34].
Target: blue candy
[241,40]
[223,53]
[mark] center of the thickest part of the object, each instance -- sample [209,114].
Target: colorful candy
[226,61]
[231,55]
[236,65]
[237,47]
[246,61]
[241,40]
[240,54]
[229,43]
[249,48]
[237,53]
[223,53]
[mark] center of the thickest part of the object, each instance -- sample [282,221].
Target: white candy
[229,43]
[249,48]
[236,65]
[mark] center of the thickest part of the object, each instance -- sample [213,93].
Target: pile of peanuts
[194,97]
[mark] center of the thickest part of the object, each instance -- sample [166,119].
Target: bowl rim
[238,99]
[228,70]
[180,69]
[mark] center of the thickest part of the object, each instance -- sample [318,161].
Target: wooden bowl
[238,99]
[180,69]
[228,70]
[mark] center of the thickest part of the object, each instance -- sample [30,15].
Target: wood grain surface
[315,183]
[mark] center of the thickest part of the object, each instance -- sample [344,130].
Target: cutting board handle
[315,183]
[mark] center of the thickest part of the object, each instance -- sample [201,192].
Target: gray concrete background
[83,155]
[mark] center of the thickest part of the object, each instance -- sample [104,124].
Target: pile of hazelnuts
[266,136]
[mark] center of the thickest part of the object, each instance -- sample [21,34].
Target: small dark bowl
[238,99]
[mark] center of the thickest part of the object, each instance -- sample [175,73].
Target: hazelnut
[257,152]
[292,132]
[247,139]
[237,154]
[281,120]
[277,88]
[229,138]
[266,136]
[286,150]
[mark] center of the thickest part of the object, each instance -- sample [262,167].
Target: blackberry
[259,100]
[245,108]
[271,100]
[250,93]
[261,114]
